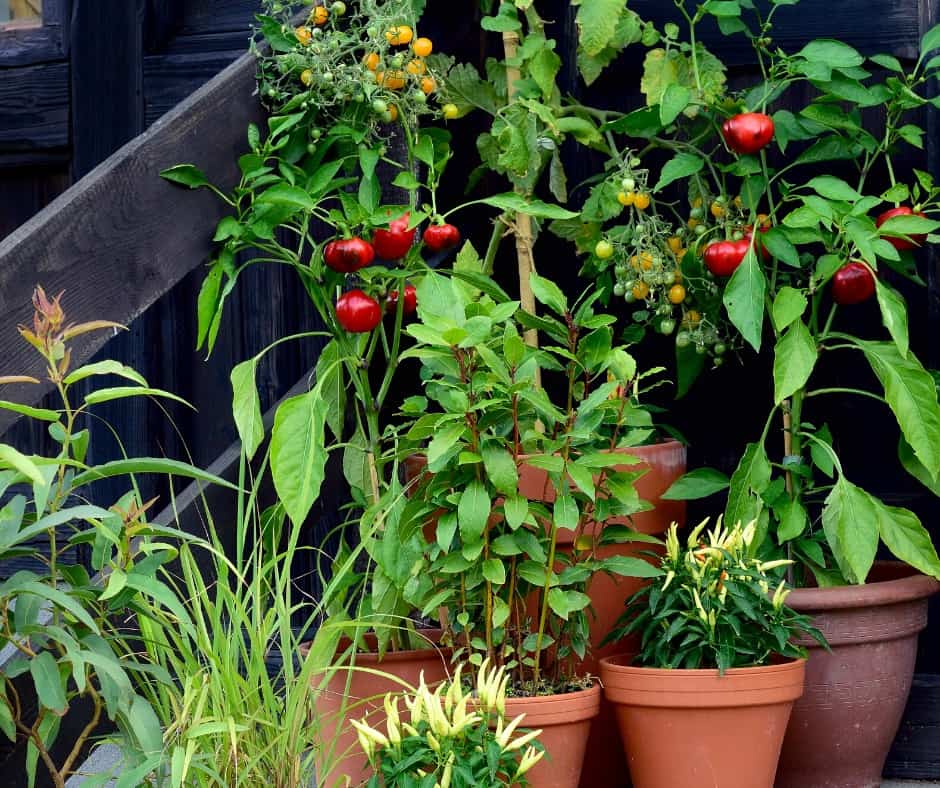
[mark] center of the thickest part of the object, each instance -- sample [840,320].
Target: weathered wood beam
[35,101]
[122,237]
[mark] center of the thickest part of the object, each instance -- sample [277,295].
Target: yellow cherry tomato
[640,290]
[626,198]
[763,220]
[692,318]
[697,202]
[646,260]
[717,210]
[399,35]
[307,77]
[428,86]
[677,275]
[635,263]
[693,223]
[450,111]
[393,111]
[371,61]
[393,80]
[738,202]
[304,36]
[422,47]
[675,244]
[320,15]
[677,294]
[641,202]
[417,67]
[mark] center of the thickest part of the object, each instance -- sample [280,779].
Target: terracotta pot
[694,728]
[843,727]
[565,721]
[337,702]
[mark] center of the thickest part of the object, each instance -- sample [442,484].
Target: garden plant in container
[717,665]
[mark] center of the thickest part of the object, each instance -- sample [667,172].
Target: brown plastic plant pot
[357,691]
[842,728]
[694,728]
[565,721]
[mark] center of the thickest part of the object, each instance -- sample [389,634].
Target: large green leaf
[597,22]
[49,685]
[682,165]
[850,521]
[511,201]
[548,293]
[912,396]
[789,305]
[893,315]
[123,392]
[699,483]
[246,407]
[298,452]
[794,359]
[107,367]
[148,465]
[473,511]
[744,299]
[749,479]
[907,539]
[501,469]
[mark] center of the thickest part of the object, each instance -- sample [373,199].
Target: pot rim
[616,664]
[912,586]
[431,634]
[557,709]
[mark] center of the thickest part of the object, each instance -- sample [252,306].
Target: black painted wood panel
[34,107]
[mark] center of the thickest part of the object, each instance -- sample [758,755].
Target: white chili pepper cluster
[446,718]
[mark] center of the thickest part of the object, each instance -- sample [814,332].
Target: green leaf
[915,468]
[299,453]
[501,469]
[11,458]
[912,396]
[744,299]
[794,359]
[473,511]
[516,508]
[284,194]
[123,392]
[696,484]
[893,315]
[793,521]
[443,444]
[105,368]
[543,68]
[850,522]
[675,99]
[40,414]
[149,465]
[208,303]
[566,513]
[748,481]
[832,53]
[45,673]
[682,165]
[908,540]
[629,566]
[511,201]
[789,305]
[930,41]
[246,407]
[548,293]
[779,246]
[834,188]
[597,23]
[185,175]
[494,571]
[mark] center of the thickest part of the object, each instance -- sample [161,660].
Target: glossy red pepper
[411,300]
[723,257]
[347,255]
[902,244]
[357,312]
[394,243]
[439,237]
[853,283]
[748,132]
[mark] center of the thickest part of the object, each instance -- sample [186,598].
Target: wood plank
[122,237]
[915,755]
[201,16]
[25,191]
[35,102]
[168,79]
[28,45]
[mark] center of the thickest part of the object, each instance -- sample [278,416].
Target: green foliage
[711,606]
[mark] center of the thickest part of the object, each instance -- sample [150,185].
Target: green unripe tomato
[628,295]
[338,8]
[604,249]
[419,97]
[635,162]
[619,289]
[683,339]
[272,93]
[327,76]
[718,361]
[701,349]
[387,116]
[398,61]
[311,148]
[720,348]
[664,309]
[667,326]
[620,269]
[628,184]
[379,106]
[640,227]
[700,230]
[696,213]
[669,278]
[737,236]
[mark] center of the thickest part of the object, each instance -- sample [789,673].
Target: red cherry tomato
[347,255]
[748,132]
[394,243]
[723,257]
[358,313]
[852,284]
[900,243]
[411,300]
[439,237]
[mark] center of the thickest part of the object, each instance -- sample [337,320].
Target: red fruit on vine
[347,255]
[411,300]
[748,132]
[853,283]
[439,237]
[357,312]
[902,244]
[723,257]
[394,243]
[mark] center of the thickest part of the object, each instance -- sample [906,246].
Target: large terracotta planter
[842,728]
[565,721]
[695,728]
[357,691]
[664,463]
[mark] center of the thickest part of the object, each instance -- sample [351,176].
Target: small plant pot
[694,728]
[357,691]
[565,720]
[843,726]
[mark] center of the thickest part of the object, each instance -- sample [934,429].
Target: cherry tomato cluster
[358,312]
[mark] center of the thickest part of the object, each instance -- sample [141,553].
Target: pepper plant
[733,226]
[493,546]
